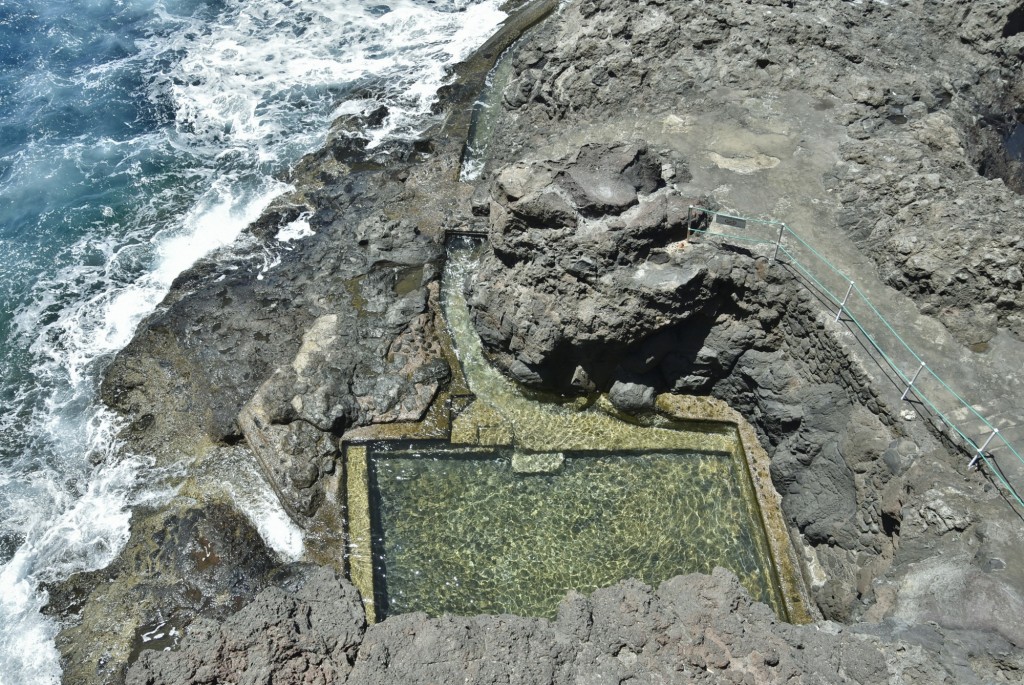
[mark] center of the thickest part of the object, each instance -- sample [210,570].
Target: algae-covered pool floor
[460,531]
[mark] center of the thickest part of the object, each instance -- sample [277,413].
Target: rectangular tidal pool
[488,531]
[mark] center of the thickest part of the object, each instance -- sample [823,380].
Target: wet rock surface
[337,334]
[183,561]
[279,362]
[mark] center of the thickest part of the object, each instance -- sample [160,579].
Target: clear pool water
[458,530]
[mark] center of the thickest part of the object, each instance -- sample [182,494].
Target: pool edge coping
[782,547]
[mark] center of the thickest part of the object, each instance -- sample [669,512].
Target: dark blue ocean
[135,137]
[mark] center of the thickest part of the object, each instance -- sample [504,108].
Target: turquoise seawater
[137,136]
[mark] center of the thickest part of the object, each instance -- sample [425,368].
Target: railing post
[913,380]
[778,243]
[843,303]
[689,219]
[981,450]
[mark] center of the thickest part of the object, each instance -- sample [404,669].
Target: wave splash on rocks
[139,139]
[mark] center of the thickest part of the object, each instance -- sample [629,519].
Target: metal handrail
[844,307]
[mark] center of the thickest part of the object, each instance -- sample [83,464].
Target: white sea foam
[295,230]
[85,533]
[239,477]
[245,94]
[272,72]
[114,298]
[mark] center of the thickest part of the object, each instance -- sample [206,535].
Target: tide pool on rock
[461,532]
[534,496]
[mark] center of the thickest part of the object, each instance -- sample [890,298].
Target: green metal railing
[864,319]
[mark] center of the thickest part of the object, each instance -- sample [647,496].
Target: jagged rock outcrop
[690,629]
[652,313]
[928,181]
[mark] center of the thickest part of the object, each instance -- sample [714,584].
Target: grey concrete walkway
[766,158]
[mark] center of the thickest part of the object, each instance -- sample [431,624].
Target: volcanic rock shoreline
[859,117]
